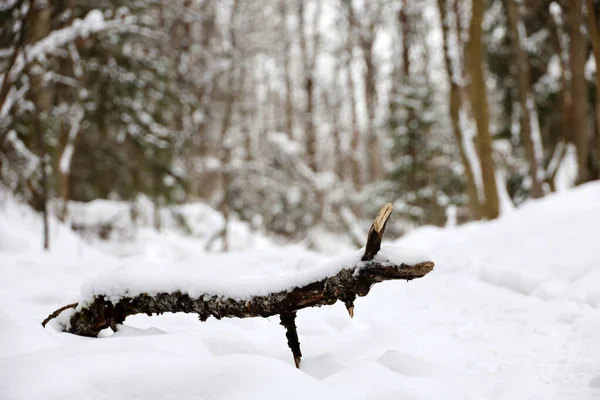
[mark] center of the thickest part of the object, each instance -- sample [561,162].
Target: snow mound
[133,222]
[548,248]
[511,312]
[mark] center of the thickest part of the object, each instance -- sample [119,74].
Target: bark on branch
[346,285]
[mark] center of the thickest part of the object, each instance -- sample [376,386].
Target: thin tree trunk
[577,57]
[517,31]
[226,148]
[7,83]
[156,203]
[459,26]
[404,24]
[68,133]
[366,34]
[289,108]
[43,167]
[491,208]
[204,91]
[455,107]
[595,37]
[357,177]
[373,143]
[407,39]
[309,63]
[332,105]
[247,111]
[39,19]
[558,35]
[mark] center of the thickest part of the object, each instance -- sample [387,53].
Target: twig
[288,320]
[57,313]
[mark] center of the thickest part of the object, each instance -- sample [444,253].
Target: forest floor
[511,311]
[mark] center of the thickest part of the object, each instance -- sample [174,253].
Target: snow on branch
[67,154]
[93,23]
[343,279]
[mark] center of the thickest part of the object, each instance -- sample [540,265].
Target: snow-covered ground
[511,311]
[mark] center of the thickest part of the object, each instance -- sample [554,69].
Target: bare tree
[566,103]
[226,141]
[455,103]
[309,57]
[289,108]
[577,58]
[355,156]
[530,133]
[365,30]
[491,207]
[595,38]
[39,20]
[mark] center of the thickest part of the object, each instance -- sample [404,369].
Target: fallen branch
[346,285]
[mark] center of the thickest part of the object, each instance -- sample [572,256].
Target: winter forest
[292,114]
[235,148]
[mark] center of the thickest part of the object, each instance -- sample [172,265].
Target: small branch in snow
[57,313]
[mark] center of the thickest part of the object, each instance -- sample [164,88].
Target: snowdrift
[511,312]
[549,248]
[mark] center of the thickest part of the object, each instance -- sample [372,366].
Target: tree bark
[309,73]
[525,96]
[491,207]
[225,142]
[558,36]
[331,102]
[366,40]
[356,167]
[39,20]
[67,134]
[580,118]
[289,108]
[405,26]
[411,149]
[455,104]
[595,37]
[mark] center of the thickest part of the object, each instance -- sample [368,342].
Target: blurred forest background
[294,114]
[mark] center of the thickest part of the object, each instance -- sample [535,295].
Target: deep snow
[511,311]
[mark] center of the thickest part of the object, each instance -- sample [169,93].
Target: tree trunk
[595,37]
[225,142]
[357,176]
[309,64]
[517,32]
[558,36]
[580,118]
[405,26]
[455,109]
[289,108]
[332,104]
[491,207]
[373,143]
[405,79]
[39,20]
